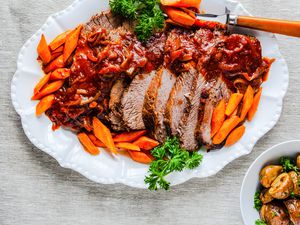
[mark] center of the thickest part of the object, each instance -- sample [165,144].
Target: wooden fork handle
[285,27]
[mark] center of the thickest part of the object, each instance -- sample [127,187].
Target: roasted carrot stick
[58,50]
[181,3]
[218,117]
[146,143]
[49,89]
[55,64]
[226,128]
[128,146]
[233,102]
[235,135]
[247,102]
[255,104]
[71,42]
[55,55]
[88,144]
[96,141]
[60,74]
[104,134]
[129,136]
[44,51]
[41,83]
[179,16]
[140,157]
[44,104]
[59,40]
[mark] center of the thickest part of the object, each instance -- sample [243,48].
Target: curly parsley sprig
[288,164]
[170,157]
[260,222]
[257,202]
[147,13]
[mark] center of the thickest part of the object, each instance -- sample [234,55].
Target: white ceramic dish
[64,146]
[251,181]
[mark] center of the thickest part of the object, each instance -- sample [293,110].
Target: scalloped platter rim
[64,146]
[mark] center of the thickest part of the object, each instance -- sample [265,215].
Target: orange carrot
[55,64]
[44,104]
[44,51]
[49,89]
[247,102]
[235,135]
[55,55]
[255,104]
[60,74]
[233,102]
[71,42]
[226,128]
[128,146]
[218,117]
[179,16]
[88,144]
[140,157]
[93,104]
[59,40]
[129,136]
[96,141]
[146,143]
[104,134]
[58,50]
[181,3]
[41,83]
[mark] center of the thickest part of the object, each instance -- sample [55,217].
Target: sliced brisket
[133,101]
[189,120]
[155,103]
[115,116]
[215,91]
[177,102]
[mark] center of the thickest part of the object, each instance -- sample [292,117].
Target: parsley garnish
[288,164]
[257,202]
[147,13]
[169,157]
[260,222]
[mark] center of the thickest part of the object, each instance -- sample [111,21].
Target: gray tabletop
[34,189]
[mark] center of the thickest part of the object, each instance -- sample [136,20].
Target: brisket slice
[104,20]
[216,91]
[155,103]
[115,115]
[177,102]
[133,100]
[189,120]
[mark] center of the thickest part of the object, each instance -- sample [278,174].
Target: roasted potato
[274,214]
[293,207]
[282,186]
[298,161]
[294,177]
[265,196]
[268,174]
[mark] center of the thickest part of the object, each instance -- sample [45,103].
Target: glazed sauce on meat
[97,63]
[102,57]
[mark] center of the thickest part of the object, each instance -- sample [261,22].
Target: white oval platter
[64,146]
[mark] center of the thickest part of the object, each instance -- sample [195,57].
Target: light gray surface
[34,189]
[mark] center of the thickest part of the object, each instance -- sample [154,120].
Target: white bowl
[251,181]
